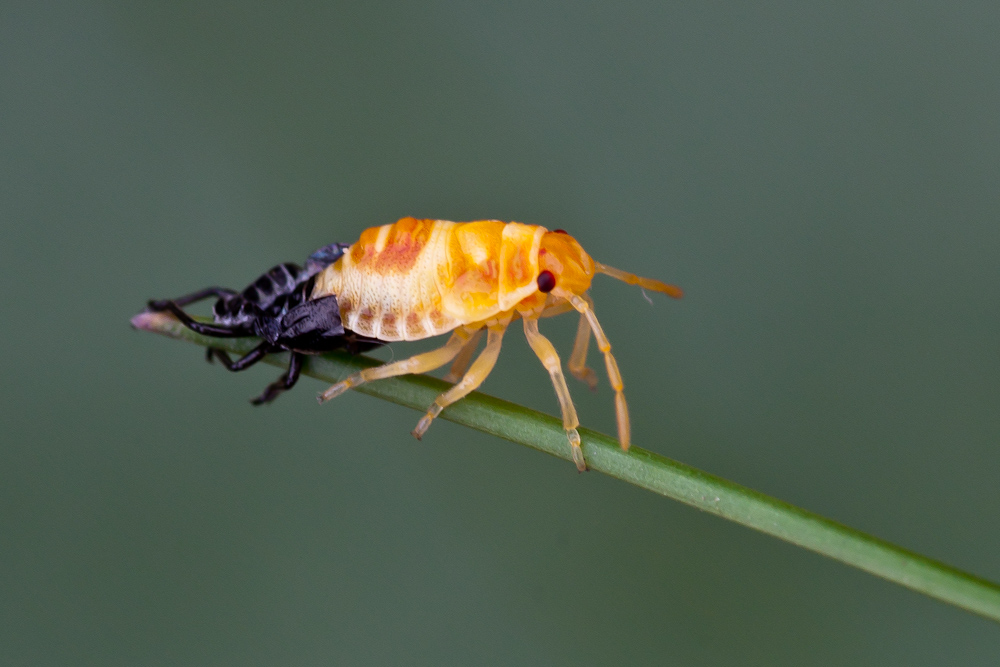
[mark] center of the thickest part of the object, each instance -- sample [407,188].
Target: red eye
[546,281]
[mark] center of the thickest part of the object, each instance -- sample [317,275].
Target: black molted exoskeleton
[276,307]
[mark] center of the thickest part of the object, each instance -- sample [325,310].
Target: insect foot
[425,422]
[577,451]
[335,391]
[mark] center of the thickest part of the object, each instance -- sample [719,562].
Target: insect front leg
[578,359]
[614,375]
[420,363]
[481,368]
[550,359]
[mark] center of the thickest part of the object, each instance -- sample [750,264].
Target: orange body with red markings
[420,278]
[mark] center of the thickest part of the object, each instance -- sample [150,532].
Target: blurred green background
[821,179]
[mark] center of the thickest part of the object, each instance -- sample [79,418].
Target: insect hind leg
[420,363]
[464,358]
[480,369]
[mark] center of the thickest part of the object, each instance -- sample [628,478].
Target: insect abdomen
[386,286]
[419,278]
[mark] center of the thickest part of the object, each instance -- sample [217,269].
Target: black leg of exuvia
[244,362]
[217,292]
[286,381]
[214,330]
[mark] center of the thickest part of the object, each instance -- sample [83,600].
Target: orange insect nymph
[420,278]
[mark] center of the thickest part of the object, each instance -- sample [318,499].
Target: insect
[420,278]
[415,279]
[277,307]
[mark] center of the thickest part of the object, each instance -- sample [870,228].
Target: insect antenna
[645,283]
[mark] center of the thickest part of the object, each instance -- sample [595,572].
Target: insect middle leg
[481,368]
[550,359]
[420,363]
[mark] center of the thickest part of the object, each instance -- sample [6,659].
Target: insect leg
[550,359]
[614,375]
[286,381]
[558,308]
[464,358]
[420,363]
[481,367]
[578,359]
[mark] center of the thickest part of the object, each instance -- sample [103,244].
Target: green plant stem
[645,469]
